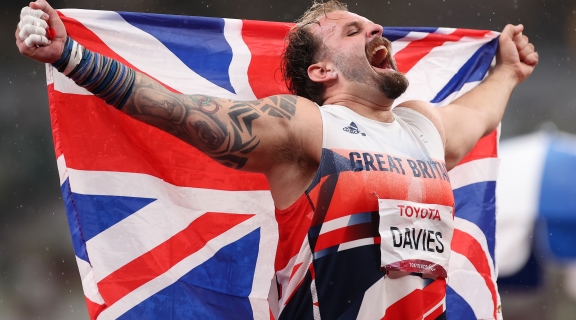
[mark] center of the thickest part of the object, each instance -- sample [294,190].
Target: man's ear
[321,72]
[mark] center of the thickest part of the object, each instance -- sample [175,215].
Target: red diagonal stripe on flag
[418,302]
[109,140]
[160,259]
[418,49]
[468,246]
[94,309]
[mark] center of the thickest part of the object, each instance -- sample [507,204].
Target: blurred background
[38,273]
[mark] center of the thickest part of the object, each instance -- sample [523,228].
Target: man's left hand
[516,53]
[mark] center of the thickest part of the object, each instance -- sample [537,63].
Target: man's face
[356,47]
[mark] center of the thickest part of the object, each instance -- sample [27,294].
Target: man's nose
[375,31]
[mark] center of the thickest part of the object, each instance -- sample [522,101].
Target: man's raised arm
[478,112]
[231,132]
[228,131]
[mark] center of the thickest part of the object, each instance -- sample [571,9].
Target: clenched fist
[40,34]
[516,52]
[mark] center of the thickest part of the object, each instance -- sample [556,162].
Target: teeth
[381,47]
[378,56]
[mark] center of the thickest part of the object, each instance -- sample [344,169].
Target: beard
[392,84]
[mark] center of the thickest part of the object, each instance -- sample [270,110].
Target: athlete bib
[415,237]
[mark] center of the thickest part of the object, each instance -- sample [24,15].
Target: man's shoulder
[420,106]
[293,104]
[293,98]
[426,110]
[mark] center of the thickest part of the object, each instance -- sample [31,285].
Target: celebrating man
[354,174]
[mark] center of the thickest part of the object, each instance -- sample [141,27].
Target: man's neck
[368,107]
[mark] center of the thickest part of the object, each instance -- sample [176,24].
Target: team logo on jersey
[353,129]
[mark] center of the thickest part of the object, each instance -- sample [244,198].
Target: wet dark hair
[303,49]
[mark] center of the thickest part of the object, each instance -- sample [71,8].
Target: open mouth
[378,55]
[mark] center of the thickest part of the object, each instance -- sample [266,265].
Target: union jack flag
[160,231]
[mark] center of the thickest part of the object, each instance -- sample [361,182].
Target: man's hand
[516,53]
[31,34]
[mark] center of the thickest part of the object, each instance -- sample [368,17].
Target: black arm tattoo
[224,133]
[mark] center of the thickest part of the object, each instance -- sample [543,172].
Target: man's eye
[351,33]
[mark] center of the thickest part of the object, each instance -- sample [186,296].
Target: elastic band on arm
[106,78]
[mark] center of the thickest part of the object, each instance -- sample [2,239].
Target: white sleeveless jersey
[328,258]
[410,135]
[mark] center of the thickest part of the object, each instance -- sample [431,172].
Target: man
[335,172]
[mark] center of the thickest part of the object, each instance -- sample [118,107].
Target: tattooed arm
[280,136]
[230,132]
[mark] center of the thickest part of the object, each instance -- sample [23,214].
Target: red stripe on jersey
[487,147]
[163,257]
[418,302]
[418,49]
[120,143]
[345,234]
[92,42]
[469,247]
[312,271]
[358,192]
[293,224]
[266,43]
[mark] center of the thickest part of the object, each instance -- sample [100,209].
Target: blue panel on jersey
[77,242]
[343,278]
[322,206]
[325,252]
[216,289]
[473,70]
[358,218]
[98,213]
[314,231]
[199,42]
[395,33]
[477,203]
[332,162]
[558,198]
[457,307]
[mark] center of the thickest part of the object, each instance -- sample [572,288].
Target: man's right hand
[31,36]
